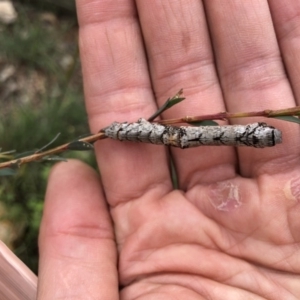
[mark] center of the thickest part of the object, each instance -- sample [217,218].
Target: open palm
[232,229]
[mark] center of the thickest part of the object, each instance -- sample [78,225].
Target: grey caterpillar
[258,135]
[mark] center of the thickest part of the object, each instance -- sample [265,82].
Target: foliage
[32,43]
[31,47]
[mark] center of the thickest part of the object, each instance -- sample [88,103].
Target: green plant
[35,49]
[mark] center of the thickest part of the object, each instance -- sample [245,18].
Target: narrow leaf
[7,152]
[47,145]
[173,101]
[26,153]
[7,155]
[7,172]
[204,123]
[55,158]
[168,104]
[288,118]
[80,146]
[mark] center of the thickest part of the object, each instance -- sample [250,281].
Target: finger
[180,55]
[252,76]
[286,22]
[76,242]
[118,88]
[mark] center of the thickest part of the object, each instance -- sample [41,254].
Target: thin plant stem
[40,155]
[294,111]
[82,143]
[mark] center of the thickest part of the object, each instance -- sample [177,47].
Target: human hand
[232,231]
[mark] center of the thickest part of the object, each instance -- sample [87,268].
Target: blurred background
[41,95]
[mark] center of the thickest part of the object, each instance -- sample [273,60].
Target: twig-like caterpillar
[258,135]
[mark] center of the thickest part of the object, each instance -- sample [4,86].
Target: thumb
[77,248]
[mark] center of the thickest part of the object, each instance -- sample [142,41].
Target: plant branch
[289,114]
[37,156]
[294,111]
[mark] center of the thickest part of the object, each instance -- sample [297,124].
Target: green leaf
[173,101]
[26,153]
[80,146]
[288,118]
[7,152]
[47,145]
[55,158]
[168,104]
[7,155]
[204,123]
[31,152]
[7,172]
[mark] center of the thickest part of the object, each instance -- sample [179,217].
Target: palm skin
[232,230]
